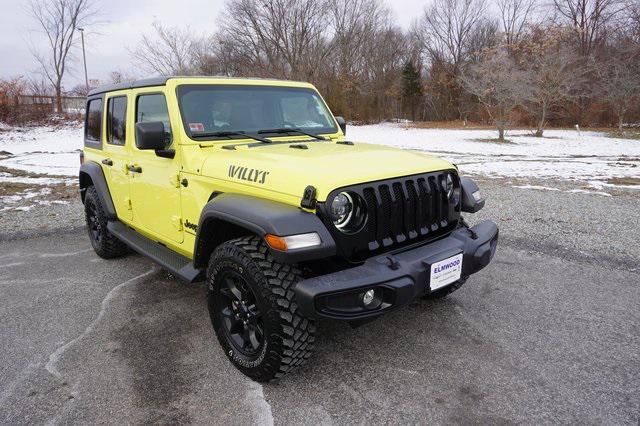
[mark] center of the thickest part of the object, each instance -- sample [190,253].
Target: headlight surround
[348,212]
[447,185]
[450,189]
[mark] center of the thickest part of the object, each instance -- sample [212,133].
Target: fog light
[367,297]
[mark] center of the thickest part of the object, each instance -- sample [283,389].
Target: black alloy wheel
[93,224]
[239,313]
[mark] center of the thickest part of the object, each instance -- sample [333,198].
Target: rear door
[155,191]
[118,137]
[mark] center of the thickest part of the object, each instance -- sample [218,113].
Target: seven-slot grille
[400,210]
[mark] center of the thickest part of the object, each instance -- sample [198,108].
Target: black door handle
[107,162]
[134,169]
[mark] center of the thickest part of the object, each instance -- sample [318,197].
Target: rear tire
[105,245]
[444,292]
[253,310]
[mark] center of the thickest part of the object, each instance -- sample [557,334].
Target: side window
[153,107]
[117,120]
[93,123]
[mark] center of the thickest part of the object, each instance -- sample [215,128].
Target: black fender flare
[260,217]
[91,172]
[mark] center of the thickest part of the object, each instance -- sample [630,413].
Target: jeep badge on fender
[187,180]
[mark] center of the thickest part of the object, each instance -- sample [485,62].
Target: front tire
[253,310]
[105,245]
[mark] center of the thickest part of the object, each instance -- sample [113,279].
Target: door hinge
[176,221]
[129,205]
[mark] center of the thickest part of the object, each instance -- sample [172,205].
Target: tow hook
[473,234]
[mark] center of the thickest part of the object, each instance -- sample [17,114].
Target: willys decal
[245,173]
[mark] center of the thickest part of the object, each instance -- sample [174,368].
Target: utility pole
[84,58]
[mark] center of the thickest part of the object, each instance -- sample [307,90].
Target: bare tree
[445,34]
[515,15]
[355,22]
[59,21]
[558,76]
[619,83]
[589,20]
[277,38]
[446,28]
[482,39]
[499,85]
[169,51]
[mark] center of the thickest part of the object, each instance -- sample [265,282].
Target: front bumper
[397,277]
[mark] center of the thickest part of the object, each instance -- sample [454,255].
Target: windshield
[208,109]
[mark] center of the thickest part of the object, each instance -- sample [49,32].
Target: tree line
[512,62]
[508,62]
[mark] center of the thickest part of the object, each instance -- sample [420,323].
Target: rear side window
[117,120]
[93,124]
[153,107]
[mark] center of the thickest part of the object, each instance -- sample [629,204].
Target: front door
[155,192]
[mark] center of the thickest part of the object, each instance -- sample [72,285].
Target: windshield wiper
[228,133]
[292,129]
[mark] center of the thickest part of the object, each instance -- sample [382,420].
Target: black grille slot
[401,210]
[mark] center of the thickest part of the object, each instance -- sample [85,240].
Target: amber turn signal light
[276,242]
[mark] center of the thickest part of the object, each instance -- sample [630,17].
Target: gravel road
[549,333]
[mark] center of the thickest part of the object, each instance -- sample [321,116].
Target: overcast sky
[123,23]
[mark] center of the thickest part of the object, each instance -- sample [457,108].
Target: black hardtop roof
[161,81]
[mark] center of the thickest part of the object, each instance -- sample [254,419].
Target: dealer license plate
[445,272]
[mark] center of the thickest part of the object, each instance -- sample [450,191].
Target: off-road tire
[288,336]
[445,291]
[104,243]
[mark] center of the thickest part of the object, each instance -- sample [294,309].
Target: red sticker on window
[196,127]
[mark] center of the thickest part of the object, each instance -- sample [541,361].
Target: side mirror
[150,135]
[342,123]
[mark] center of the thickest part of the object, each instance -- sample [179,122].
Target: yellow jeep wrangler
[251,185]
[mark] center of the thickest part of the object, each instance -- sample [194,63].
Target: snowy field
[43,150]
[49,155]
[589,157]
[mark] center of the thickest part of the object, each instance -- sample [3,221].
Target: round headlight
[348,212]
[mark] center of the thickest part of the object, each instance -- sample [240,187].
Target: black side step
[175,263]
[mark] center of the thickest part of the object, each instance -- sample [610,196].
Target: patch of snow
[58,163]
[21,197]
[571,191]
[7,177]
[586,191]
[538,187]
[43,149]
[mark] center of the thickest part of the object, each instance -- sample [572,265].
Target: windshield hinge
[176,221]
[174,180]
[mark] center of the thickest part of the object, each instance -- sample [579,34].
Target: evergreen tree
[411,88]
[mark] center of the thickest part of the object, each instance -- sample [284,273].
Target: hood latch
[309,198]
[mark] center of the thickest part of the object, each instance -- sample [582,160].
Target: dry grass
[629,134]
[454,125]
[59,191]
[13,188]
[624,181]
[28,174]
